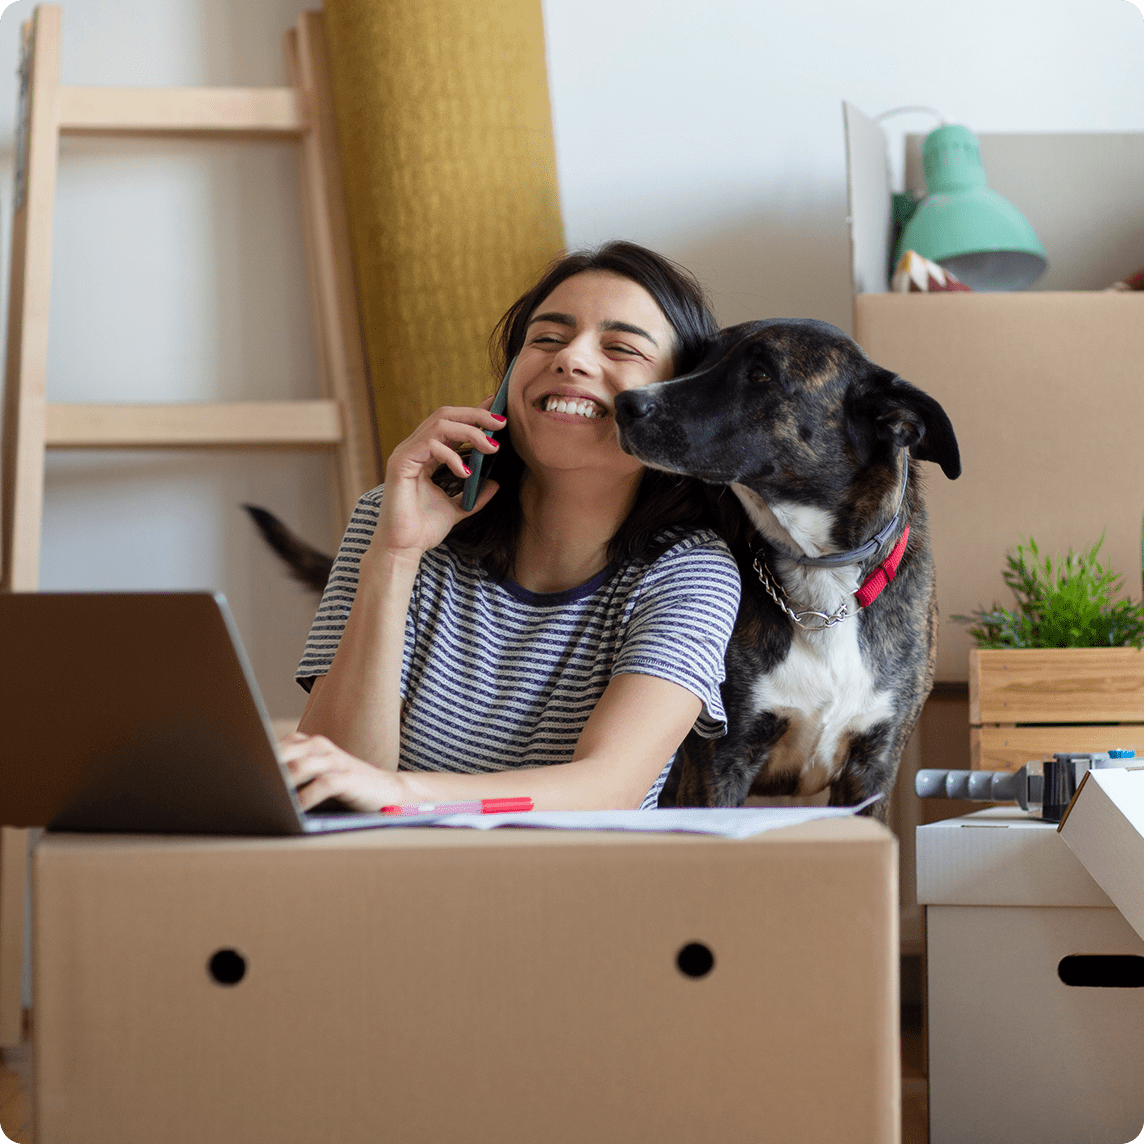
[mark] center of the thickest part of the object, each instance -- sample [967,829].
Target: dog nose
[633,403]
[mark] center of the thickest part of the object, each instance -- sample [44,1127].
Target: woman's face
[596,335]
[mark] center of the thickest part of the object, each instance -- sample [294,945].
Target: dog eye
[759,376]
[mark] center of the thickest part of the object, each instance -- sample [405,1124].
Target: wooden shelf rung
[194,425]
[230,111]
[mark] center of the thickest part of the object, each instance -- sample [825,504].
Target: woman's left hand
[320,770]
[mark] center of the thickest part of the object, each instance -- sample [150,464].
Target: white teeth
[574,405]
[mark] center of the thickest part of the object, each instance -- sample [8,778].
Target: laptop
[139,713]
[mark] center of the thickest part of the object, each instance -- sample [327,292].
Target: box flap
[1104,827]
[868,175]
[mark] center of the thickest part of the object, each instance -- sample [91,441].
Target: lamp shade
[963,225]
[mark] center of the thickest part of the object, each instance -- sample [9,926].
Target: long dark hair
[490,537]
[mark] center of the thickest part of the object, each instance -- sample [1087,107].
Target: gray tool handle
[978,786]
[1026,786]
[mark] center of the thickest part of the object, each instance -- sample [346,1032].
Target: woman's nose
[574,358]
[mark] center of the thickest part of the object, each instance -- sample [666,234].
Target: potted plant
[1063,670]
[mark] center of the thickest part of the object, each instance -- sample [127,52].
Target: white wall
[710,131]
[713,131]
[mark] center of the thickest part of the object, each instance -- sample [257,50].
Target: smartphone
[480,464]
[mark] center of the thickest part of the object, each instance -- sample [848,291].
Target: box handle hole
[695,960]
[1103,971]
[227,966]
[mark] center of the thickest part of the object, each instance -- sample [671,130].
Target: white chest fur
[823,687]
[826,691]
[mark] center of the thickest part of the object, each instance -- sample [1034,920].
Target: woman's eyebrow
[553,316]
[612,325]
[628,328]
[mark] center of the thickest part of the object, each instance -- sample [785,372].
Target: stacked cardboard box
[1043,386]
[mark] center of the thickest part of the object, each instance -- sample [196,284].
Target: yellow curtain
[446,142]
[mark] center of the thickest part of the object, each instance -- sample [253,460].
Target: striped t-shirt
[494,676]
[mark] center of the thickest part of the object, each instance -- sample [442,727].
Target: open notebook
[138,712]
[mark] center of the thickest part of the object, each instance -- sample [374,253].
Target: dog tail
[307,565]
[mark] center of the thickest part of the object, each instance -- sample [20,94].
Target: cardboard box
[1015,1053]
[1043,386]
[456,985]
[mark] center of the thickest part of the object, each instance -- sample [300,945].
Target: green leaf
[1060,602]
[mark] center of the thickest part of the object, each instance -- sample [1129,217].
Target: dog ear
[889,410]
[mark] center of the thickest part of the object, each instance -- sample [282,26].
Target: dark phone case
[481,464]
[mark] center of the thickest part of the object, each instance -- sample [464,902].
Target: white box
[1015,1054]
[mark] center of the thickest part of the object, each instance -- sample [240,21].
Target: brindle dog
[824,682]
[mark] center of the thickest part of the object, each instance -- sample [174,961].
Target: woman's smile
[573,407]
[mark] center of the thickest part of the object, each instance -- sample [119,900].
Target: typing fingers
[319,770]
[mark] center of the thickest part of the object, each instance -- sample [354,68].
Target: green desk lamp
[964,226]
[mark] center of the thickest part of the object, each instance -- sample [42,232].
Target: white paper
[726,822]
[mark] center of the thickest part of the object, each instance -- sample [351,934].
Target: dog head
[790,409]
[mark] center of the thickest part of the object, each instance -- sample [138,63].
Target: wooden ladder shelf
[342,420]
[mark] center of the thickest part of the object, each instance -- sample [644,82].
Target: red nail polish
[468,471]
[492,440]
[498,417]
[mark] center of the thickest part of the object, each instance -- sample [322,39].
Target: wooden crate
[1025,704]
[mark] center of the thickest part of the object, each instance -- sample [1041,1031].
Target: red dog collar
[874,544]
[883,574]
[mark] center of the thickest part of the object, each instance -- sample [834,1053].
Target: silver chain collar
[819,621]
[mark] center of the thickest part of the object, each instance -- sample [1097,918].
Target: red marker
[477,806]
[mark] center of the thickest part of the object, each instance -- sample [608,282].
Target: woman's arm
[357,704]
[679,632]
[636,726]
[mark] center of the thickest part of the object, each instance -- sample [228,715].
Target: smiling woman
[559,641]
[577,355]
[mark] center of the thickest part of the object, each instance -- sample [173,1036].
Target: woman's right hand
[417,514]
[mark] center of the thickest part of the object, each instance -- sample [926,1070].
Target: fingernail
[498,417]
[468,471]
[492,441]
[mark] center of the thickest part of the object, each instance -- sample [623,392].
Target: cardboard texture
[1104,828]
[1042,387]
[1001,856]
[1014,1052]
[422,985]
